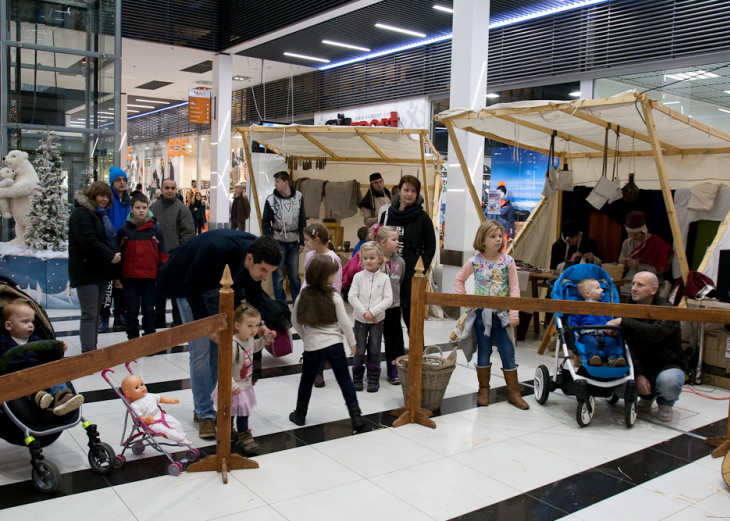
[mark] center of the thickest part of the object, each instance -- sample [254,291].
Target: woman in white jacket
[370,295]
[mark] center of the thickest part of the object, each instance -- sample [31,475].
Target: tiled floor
[493,462]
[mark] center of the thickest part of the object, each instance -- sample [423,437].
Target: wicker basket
[616,271]
[436,371]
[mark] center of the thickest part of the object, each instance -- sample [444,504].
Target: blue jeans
[666,386]
[136,291]
[368,338]
[203,358]
[484,343]
[290,258]
[610,346]
[338,360]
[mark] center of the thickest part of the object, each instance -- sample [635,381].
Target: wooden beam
[465,172]
[437,187]
[252,177]
[561,135]
[316,143]
[425,174]
[272,148]
[542,203]
[335,129]
[27,381]
[435,152]
[705,129]
[372,145]
[666,190]
[715,242]
[718,316]
[494,137]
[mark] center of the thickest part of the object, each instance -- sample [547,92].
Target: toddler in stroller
[587,381]
[39,421]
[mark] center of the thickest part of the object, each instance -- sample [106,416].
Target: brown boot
[513,389]
[483,374]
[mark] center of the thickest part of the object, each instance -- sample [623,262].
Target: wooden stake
[666,190]
[317,144]
[465,172]
[425,174]
[716,241]
[542,203]
[372,145]
[252,177]
[413,412]
[223,461]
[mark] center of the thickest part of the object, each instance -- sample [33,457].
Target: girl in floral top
[495,275]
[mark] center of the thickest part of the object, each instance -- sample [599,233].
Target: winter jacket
[176,222]
[395,271]
[143,248]
[417,239]
[655,345]
[562,252]
[89,257]
[198,213]
[370,291]
[26,360]
[240,210]
[284,218]
[119,210]
[350,269]
[198,265]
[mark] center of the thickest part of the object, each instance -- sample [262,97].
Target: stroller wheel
[630,410]
[192,455]
[119,463]
[542,384]
[105,461]
[46,480]
[174,468]
[137,448]
[612,400]
[583,416]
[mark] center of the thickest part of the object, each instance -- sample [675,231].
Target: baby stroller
[23,424]
[140,435]
[586,382]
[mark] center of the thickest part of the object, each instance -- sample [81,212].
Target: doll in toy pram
[583,380]
[22,421]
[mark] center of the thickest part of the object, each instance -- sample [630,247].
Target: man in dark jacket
[240,209]
[573,248]
[284,219]
[656,349]
[178,228]
[193,275]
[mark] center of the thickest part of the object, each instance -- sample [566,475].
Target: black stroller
[23,424]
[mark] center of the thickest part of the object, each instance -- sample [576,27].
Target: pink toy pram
[140,435]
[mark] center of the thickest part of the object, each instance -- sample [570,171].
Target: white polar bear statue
[8,176]
[19,192]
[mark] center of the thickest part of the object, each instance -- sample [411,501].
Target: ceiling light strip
[444,9]
[158,110]
[346,45]
[399,30]
[151,101]
[303,57]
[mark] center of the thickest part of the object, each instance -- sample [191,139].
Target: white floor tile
[102,503]
[307,471]
[266,513]
[458,490]
[691,483]
[637,502]
[377,452]
[508,419]
[359,501]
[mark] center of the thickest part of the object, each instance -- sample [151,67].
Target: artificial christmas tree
[48,227]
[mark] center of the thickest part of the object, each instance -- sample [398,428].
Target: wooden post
[223,461]
[465,171]
[252,177]
[425,174]
[716,241]
[413,412]
[666,190]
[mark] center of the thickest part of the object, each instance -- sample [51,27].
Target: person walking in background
[118,211]
[240,209]
[284,219]
[197,210]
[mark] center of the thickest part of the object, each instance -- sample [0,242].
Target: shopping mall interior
[574,133]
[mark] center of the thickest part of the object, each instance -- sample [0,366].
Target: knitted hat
[115,172]
[375,177]
[636,222]
[570,229]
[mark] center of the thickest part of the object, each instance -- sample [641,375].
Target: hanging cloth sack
[551,178]
[604,188]
[564,177]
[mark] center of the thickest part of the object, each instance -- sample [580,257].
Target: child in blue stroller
[595,363]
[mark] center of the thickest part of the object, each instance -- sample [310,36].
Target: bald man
[656,349]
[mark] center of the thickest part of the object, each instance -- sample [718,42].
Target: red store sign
[385,122]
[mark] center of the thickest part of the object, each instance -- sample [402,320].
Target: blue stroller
[584,381]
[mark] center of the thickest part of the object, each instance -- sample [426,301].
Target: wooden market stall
[348,145]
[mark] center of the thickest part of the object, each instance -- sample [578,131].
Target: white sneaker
[666,413]
[645,405]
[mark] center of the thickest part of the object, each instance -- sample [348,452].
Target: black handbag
[277,314]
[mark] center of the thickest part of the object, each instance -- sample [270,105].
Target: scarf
[653,251]
[111,238]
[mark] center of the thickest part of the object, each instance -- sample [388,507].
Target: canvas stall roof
[338,143]
[693,151]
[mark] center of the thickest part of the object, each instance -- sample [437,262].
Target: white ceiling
[144,61]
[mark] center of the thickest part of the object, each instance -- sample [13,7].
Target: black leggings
[335,354]
[393,334]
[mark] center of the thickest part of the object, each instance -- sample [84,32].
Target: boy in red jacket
[143,251]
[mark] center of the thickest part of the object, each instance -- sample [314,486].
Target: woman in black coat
[92,251]
[415,232]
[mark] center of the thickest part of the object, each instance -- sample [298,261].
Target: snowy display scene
[45,281]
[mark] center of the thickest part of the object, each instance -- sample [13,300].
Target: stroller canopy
[565,286]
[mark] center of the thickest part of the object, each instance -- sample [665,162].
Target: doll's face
[133,388]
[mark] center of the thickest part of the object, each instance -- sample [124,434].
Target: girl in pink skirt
[246,320]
